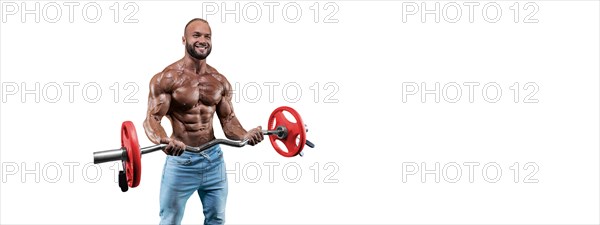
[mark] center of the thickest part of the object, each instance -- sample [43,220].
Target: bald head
[194,21]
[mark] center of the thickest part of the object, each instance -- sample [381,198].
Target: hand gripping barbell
[130,153]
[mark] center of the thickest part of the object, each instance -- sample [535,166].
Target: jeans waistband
[205,151]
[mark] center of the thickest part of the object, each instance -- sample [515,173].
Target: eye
[196,36]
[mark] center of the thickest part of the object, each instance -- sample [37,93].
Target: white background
[365,137]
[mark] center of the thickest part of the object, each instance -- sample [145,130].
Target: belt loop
[203,153]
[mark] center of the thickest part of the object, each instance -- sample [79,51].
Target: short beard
[191,50]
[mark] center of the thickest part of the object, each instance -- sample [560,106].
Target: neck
[196,65]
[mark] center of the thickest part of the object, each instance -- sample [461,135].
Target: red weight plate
[133,165]
[295,130]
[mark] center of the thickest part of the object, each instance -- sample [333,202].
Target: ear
[183,40]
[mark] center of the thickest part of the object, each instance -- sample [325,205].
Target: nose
[203,40]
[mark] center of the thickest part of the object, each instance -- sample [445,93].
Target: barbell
[279,128]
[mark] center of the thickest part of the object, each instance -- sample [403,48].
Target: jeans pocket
[181,160]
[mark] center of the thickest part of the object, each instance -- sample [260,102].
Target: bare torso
[194,99]
[190,92]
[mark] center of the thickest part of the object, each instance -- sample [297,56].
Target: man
[189,92]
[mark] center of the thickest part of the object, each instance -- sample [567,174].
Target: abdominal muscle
[194,126]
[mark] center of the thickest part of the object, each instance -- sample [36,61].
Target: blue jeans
[183,175]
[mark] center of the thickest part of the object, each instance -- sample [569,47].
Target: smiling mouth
[205,47]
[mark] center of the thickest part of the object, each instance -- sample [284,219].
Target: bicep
[158,106]
[225,109]
[225,106]
[231,126]
[158,100]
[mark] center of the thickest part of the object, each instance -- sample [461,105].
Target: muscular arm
[229,122]
[231,125]
[158,105]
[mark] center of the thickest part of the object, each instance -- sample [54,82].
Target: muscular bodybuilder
[189,92]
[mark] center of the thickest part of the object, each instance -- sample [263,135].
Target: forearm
[233,129]
[154,130]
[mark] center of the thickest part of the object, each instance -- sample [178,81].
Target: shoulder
[166,79]
[219,76]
